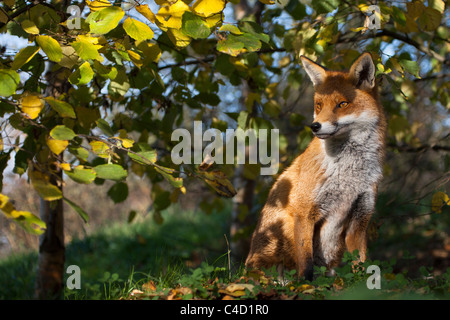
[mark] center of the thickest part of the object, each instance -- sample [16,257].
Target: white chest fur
[352,166]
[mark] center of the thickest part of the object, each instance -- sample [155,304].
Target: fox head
[344,102]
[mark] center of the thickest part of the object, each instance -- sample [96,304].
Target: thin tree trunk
[50,270]
[241,217]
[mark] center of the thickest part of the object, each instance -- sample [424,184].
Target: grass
[121,255]
[186,258]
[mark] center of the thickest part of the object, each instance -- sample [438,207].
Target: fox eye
[318,107]
[343,104]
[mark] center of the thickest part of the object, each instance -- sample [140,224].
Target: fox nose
[315,126]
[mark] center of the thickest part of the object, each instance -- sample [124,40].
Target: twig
[421,148]
[397,36]
[229,258]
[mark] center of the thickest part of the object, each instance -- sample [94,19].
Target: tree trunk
[50,270]
[242,217]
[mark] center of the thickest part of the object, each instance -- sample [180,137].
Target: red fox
[322,204]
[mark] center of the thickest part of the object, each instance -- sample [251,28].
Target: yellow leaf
[32,106]
[214,20]
[171,16]
[178,38]
[42,185]
[146,12]
[126,143]
[135,58]
[207,8]
[238,289]
[24,56]
[57,146]
[25,219]
[137,30]
[6,206]
[51,47]
[306,288]
[363,7]
[100,148]
[98,5]
[30,27]
[439,200]
[219,182]
[65,166]
[268,1]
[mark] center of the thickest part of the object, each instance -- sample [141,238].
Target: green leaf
[272,108]
[83,75]
[137,30]
[111,172]
[167,174]
[61,132]
[81,175]
[250,41]
[64,109]
[9,79]
[230,28]
[410,66]
[119,86]
[118,192]
[161,200]
[399,16]
[51,47]
[131,215]
[194,26]
[209,98]
[78,210]
[232,46]
[144,157]
[24,56]
[104,20]
[296,9]
[104,126]
[324,6]
[80,152]
[105,71]
[254,29]
[85,49]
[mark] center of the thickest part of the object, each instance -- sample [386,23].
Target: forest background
[91,94]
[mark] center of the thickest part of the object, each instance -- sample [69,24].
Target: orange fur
[321,205]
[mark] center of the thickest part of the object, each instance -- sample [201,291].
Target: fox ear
[316,72]
[363,72]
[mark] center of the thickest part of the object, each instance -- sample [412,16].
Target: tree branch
[18,12]
[185,63]
[422,148]
[344,38]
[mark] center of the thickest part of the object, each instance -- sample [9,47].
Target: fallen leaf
[149,286]
[306,288]
[136,293]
